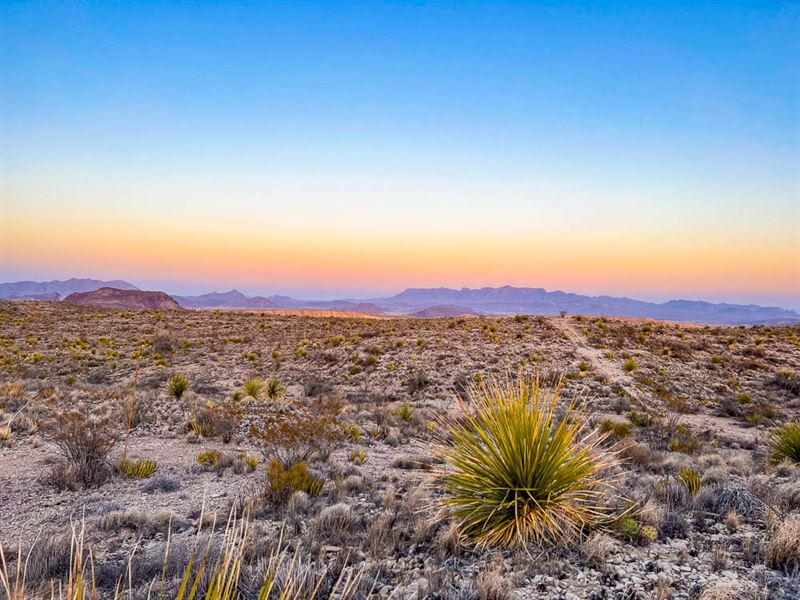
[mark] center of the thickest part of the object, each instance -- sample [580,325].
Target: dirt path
[596,358]
[701,422]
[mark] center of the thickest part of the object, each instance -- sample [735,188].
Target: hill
[443,310]
[124,299]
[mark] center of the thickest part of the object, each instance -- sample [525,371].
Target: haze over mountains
[427,302]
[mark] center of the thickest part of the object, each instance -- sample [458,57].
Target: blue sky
[575,125]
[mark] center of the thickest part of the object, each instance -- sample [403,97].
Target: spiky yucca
[518,473]
[786,442]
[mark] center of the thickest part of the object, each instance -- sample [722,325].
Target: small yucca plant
[275,389]
[253,388]
[177,385]
[518,473]
[786,442]
[690,480]
[138,468]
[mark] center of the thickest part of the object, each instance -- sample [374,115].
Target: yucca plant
[138,468]
[519,473]
[786,442]
[177,385]
[253,388]
[690,479]
[275,389]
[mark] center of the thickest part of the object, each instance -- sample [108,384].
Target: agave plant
[520,473]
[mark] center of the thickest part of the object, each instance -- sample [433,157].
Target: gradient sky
[646,149]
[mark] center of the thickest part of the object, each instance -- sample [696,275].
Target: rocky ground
[365,398]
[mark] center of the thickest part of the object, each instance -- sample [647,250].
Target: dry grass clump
[518,473]
[732,589]
[782,551]
[597,548]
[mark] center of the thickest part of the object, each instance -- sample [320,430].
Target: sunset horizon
[284,158]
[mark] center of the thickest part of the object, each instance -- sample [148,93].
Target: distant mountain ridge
[235,299]
[56,289]
[441,302]
[108,297]
[513,300]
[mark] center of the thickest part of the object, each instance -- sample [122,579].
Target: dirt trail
[721,426]
[596,358]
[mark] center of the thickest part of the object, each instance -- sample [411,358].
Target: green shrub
[177,385]
[786,442]
[283,481]
[518,473]
[629,365]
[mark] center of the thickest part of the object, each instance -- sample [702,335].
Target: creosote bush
[518,473]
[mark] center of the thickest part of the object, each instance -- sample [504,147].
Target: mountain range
[439,302]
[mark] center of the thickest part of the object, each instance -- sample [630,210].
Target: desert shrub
[615,428]
[85,444]
[302,433]
[597,548]
[629,365]
[335,523]
[137,468]
[786,442]
[417,382]
[283,481]
[216,419]
[177,385]
[732,589]
[782,551]
[161,483]
[275,389]
[517,473]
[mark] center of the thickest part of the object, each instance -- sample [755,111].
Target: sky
[339,149]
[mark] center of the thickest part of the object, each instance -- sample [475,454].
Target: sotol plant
[519,473]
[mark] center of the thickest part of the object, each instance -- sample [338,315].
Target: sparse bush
[629,365]
[85,444]
[519,474]
[161,483]
[177,385]
[306,433]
